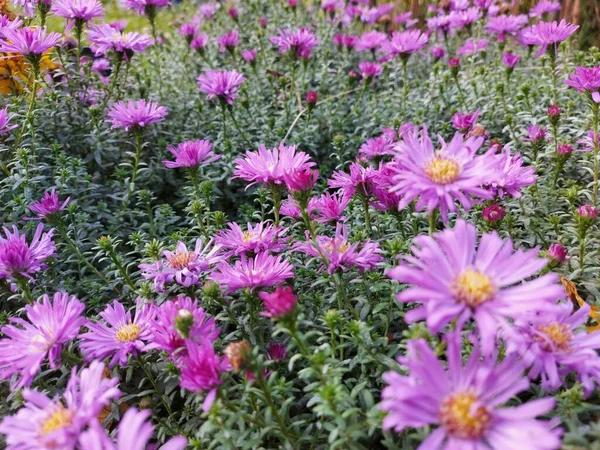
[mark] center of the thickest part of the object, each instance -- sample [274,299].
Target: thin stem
[237,127]
[432,222]
[136,163]
[595,138]
[23,285]
[113,83]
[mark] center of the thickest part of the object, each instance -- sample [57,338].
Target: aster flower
[270,166]
[6,23]
[104,38]
[177,320]
[5,119]
[340,254]
[369,70]
[471,47]
[199,41]
[77,11]
[588,141]
[441,177]
[358,180]
[370,41]
[493,213]
[298,43]
[262,270]
[250,56]
[378,147]
[279,303]
[263,237]
[118,336]
[466,402]
[585,79]
[505,25]
[20,259]
[29,42]
[486,283]
[221,84]
[535,134]
[27,344]
[329,208]
[510,60]
[385,200]
[345,40]
[464,121]
[512,175]
[208,10]
[201,371]
[440,24]
[544,7]
[228,41]
[182,266]
[48,205]
[437,52]
[134,432]
[145,7]
[548,34]
[557,253]
[191,154]
[465,18]
[135,114]
[50,424]
[405,43]
[188,30]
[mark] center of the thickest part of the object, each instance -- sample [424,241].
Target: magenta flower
[358,180]
[250,56]
[375,148]
[182,266]
[279,303]
[505,25]
[199,41]
[464,121]
[135,114]
[585,79]
[20,259]
[547,34]
[329,208]
[48,205]
[340,254]
[588,141]
[437,52]
[298,43]
[263,237]
[510,60]
[511,175]
[345,40]
[440,24]
[175,315]
[201,371]
[29,42]
[6,23]
[50,424]
[554,343]
[208,10]
[134,432]
[221,84]
[104,38]
[262,270]
[441,177]
[28,343]
[312,97]
[544,7]
[5,119]
[466,402]
[229,41]
[557,254]
[493,213]
[270,166]
[465,18]
[303,180]
[535,134]
[118,336]
[188,30]
[405,43]
[486,283]
[147,7]
[370,41]
[74,11]
[191,154]
[587,212]
[380,189]
[472,47]
[369,70]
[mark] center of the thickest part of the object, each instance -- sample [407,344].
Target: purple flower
[188,30]
[587,212]
[263,237]
[105,38]
[147,7]
[486,283]
[437,52]
[50,424]
[77,10]
[7,24]
[588,141]
[585,79]
[359,179]
[340,254]
[493,213]
[369,70]
[135,114]
[118,25]
[299,43]
[27,343]
[262,270]
[466,402]
[221,84]
[20,259]
[510,60]
[557,253]
[465,18]
[208,10]
[471,47]
[119,336]
[345,40]
[311,98]
[546,34]
[228,41]
[544,7]
[134,432]
[201,371]
[199,41]
[171,317]
[441,177]
[464,121]
[303,180]
[5,119]
[440,24]
[182,265]
[511,175]
[535,134]
[279,303]
[375,148]
[564,149]
[405,43]
[554,343]
[454,65]
[48,205]
[329,208]
[29,42]
[250,56]
[270,166]
[503,25]
[370,41]
[191,154]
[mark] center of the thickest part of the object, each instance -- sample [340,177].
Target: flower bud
[493,213]
[279,303]
[184,322]
[557,254]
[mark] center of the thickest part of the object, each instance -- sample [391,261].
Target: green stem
[136,164]
[595,138]
[432,221]
[23,285]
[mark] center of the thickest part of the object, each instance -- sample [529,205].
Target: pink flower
[199,41]
[279,303]
[105,38]
[29,42]
[472,47]
[558,253]
[370,41]
[311,98]
[511,175]
[536,134]
[147,7]
[370,70]
[405,43]
[5,119]
[359,179]
[51,325]
[378,147]
[228,41]
[585,79]
[262,237]
[329,208]
[345,40]
[303,180]
[119,336]
[464,121]
[48,205]
[263,270]
[250,56]
[270,166]
[133,115]
[300,43]
[587,212]
[510,60]
[493,213]
[20,259]
[437,52]
[191,154]
[546,34]
[221,84]
[503,25]
[77,10]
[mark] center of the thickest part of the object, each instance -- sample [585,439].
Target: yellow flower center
[128,333]
[60,418]
[247,236]
[559,335]
[442,171]
[462,417]
[180,261]
[473,288]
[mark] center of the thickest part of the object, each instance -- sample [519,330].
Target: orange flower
[572,293]
[15,72]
